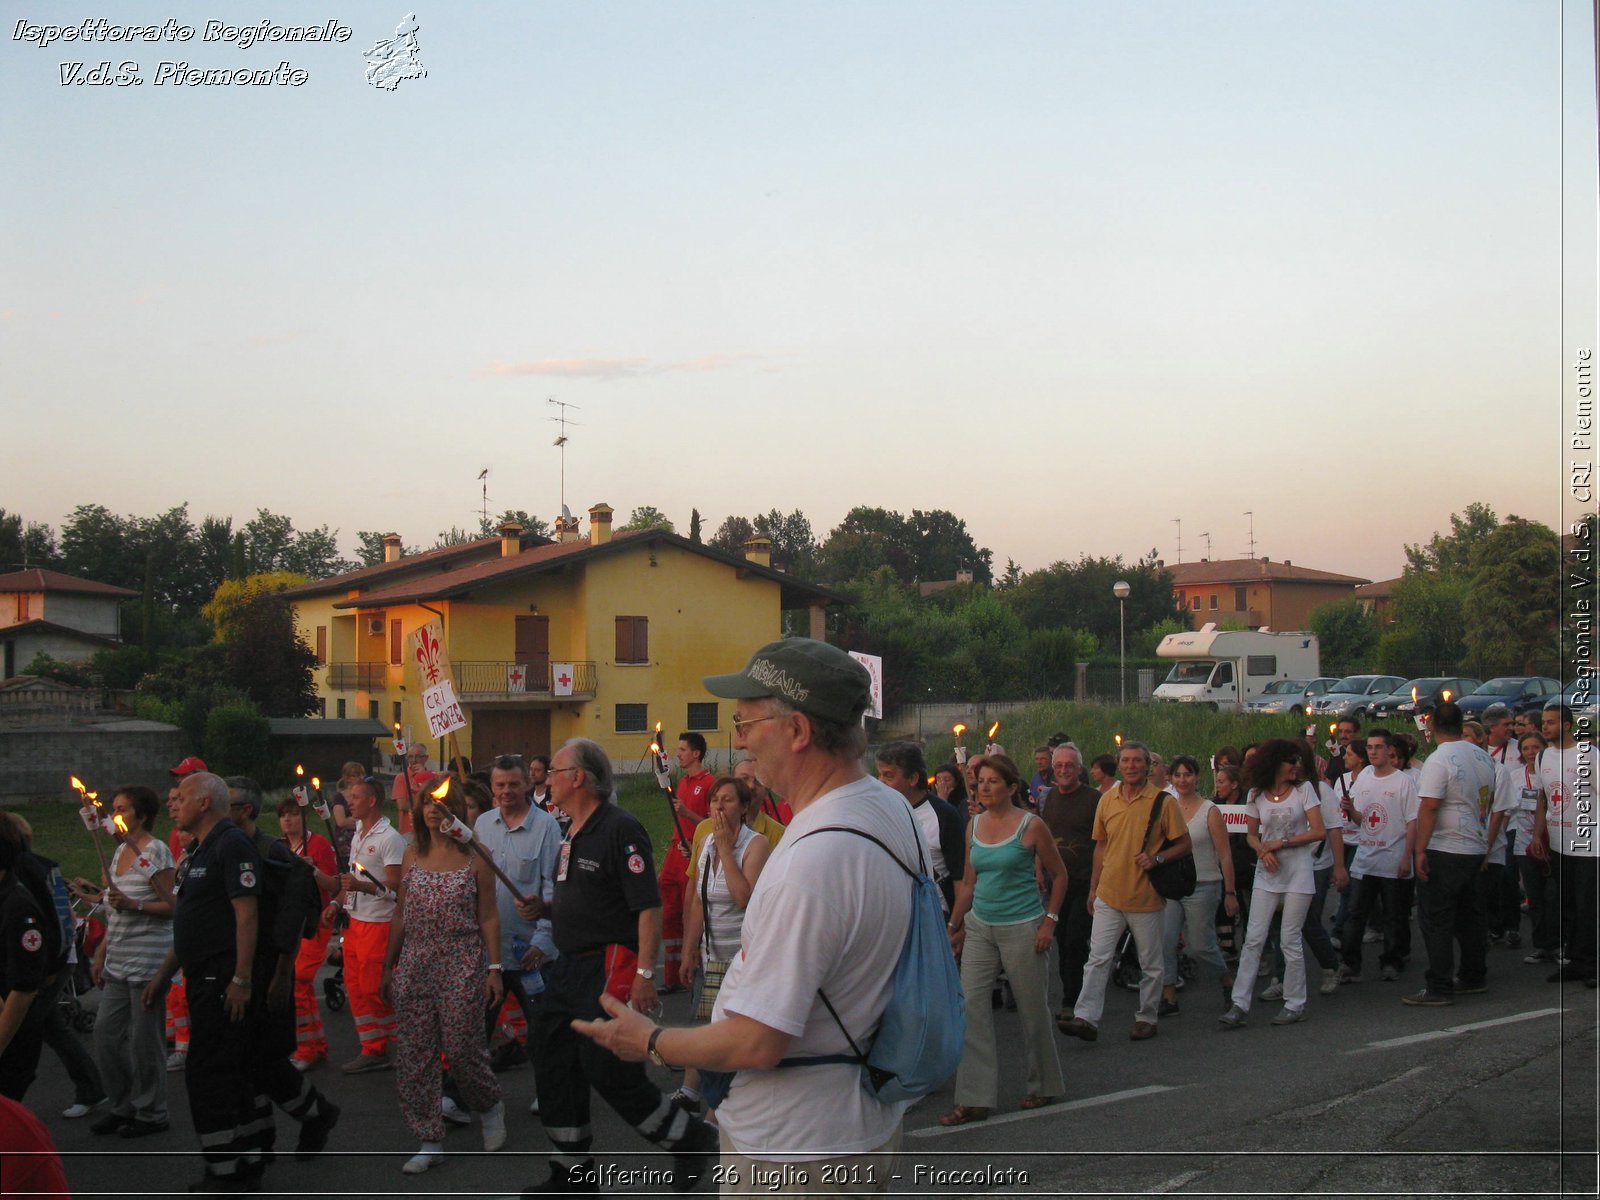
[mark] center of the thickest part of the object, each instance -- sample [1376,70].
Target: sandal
[1034,1100]
[961,1114]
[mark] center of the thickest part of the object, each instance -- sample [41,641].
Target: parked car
[1419,697]
[1292,696]
[1580,697]
[1519,693]
[1354,695]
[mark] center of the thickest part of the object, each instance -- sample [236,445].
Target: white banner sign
[1232,817]
[561,676]
[874,666]
[517,677]
[442,709]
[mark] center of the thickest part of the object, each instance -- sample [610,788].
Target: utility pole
[1250,512]
[1178,521]
[561,443]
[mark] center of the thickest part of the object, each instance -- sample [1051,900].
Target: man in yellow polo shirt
[1121,895]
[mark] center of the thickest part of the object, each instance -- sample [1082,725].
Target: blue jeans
[1196,916]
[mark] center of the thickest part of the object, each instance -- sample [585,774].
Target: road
[1496,1094]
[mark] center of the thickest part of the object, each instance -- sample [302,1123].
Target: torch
[960,730]
[459,833]
[1333,742]
[125,836]
[94,819]
[658,758]
[383,888]
[993,747]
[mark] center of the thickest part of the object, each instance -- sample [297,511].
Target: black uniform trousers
[567,1065]
[19,1065]
[273,1078]
[218,1069]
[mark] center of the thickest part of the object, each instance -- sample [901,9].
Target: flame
[655,747]
[443,790]
[994,729]
[958,729]
[316,783]
[1414,695]
[1333,727]
[78,784]
[94,798]
[121,823]
[658,731]
[1445,695]
[397,728]
[1118,738]
[299,770]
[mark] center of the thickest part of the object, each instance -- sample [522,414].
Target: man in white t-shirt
[1564,836]
[1456,799]
[370,885]
[830,914]
[1383,798]
[902,767]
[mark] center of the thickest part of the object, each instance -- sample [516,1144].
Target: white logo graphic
[392,60]
[31,940]
[636,864]
[247,879]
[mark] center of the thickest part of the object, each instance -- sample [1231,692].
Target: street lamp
[1120,590]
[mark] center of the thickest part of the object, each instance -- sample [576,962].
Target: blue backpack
[924,1029]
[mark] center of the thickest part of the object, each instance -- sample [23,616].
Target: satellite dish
[566,514]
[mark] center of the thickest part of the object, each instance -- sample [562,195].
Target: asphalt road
[1496,1094]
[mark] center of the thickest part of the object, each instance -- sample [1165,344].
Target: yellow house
[637,619]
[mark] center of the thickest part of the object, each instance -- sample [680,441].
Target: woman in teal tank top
[999,921]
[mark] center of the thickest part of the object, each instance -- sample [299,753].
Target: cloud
[608,369]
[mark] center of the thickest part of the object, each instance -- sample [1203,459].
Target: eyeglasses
[739,726]
[558,770]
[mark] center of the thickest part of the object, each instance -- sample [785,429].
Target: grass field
[1168,728]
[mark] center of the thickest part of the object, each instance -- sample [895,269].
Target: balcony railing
[358,677]
[504,680]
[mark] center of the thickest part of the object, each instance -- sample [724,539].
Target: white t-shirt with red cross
[1567,777]
[1383,806]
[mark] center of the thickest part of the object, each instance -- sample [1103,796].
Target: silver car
[1353,695]
[1292,696]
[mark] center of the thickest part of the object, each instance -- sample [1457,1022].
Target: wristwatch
[654,1054]
[1159,860]
[645,973]
[240,983]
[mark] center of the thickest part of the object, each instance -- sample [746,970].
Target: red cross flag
[516,677]
[561,676]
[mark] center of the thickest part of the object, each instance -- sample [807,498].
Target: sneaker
[1336,940]
[694,1157]
[421,1161]
[79,1109]
[454,1113]
[1289,1016]
[1330,981]
[494,1126]
[690,1104]
[1370,936]
[1168,1008]
[1390,974]
[362,1063]
[1234,1018]
[1427,999]
[1349,975]
[175,1062]
[308,1064]
[533,1108]
[1538,956]
[1274,991]
[1079,1028]
[314,1131]
[135,1128]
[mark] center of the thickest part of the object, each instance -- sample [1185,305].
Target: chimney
[600,524]
[510,539]
[566,530]
[963,576]
[1160,562]
[391,547]
[1288,562]
[758,549]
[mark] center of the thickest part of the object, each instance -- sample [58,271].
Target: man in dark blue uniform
[606,918]
[27,954]
[214,939]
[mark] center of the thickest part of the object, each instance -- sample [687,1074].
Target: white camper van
[1224,669]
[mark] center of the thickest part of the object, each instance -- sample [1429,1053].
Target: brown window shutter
[322,645]
[396,644]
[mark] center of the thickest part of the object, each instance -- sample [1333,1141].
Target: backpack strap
[1155,812]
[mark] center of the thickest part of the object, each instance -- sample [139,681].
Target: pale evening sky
[1068,268]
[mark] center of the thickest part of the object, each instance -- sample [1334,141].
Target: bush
[46,667]
[121,669]
[153,708]
[238,740]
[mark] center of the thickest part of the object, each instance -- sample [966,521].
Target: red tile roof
[440,559]
[36,579]
[1380,590]
[1251,570]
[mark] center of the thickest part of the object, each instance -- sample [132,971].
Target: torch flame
[121,823]
[958,729]
[1445,695]
[658,730]
[443,790]
[94,798]
[1333,727]
[1118,738]
[316,783]
[994,729]
[78,784]
[299,770]
[655,747]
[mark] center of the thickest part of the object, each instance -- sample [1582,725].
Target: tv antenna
[1207,537]
[1251,513]
[483,478]
[561,444]
[1178,521]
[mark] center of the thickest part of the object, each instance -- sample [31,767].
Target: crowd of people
[526,897]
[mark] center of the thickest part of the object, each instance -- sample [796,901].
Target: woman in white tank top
[1195,916]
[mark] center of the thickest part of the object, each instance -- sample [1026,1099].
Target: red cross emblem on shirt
[1374,818]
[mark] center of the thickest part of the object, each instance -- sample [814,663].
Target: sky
[1075,270]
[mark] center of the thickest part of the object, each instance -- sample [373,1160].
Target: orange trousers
[365,943]
[311,1042]
[178,1014]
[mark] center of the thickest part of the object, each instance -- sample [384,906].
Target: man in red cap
[178,995]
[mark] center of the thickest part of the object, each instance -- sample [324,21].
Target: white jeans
[1103,937]
[1263,904]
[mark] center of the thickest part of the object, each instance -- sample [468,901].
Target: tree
[225,610]
[1453,551]
[369,548]
[1079,594]
[314,553]
[1347,636]
[731,535]
[1513,608]
[268,660]
[25,545]
[869,538]
[1431,607]
[943,547]
[454,536]
[646,516]
[531,526]
[794,546]
[694,525]
[269,538]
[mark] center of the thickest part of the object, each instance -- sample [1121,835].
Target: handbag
[1175,878]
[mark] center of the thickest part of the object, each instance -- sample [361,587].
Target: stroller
[88,931]
[333,991]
